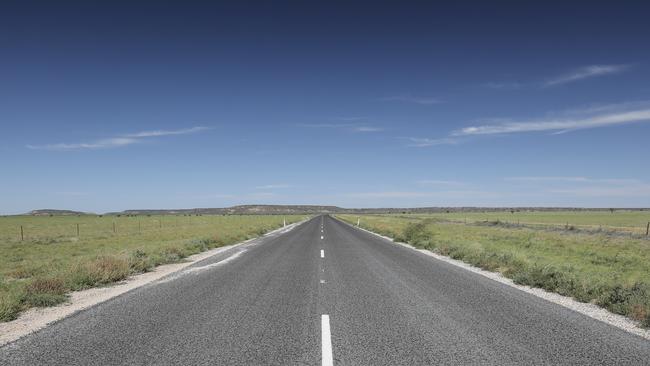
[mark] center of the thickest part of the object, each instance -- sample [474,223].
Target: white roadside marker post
[358,221]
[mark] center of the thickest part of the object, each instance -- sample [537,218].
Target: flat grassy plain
[53,260]
[612,271]
[623,221]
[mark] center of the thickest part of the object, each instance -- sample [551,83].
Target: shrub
[100,271]
[23,272]
[633,301]
[44,291]
[173,254]
[546,277]
[10,304]
[11,296]
[415,233]
[140,262]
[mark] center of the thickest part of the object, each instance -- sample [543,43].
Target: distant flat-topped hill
[52,212]
[315,209]
[239,210]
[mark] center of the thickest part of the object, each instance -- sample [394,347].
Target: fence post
[114,230]
[22,234]
[647,229]
[77,230]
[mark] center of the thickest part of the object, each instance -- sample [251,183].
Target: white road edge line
[322,253]
[326,341]
[212,265]
[590,310]
[189,270]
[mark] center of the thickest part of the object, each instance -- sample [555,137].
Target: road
[326,292]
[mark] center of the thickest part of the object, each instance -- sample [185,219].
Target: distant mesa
[51,212]
[239,210]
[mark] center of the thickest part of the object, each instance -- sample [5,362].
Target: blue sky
[358,104]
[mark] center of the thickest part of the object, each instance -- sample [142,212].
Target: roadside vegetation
[610,222]
[612,271]
[59,254]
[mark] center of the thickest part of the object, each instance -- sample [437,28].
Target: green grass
[620,220]
[611,271]
[52,260]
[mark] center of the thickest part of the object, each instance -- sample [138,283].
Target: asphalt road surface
[326,293]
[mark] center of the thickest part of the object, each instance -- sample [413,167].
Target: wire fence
[638,231]
[53,228]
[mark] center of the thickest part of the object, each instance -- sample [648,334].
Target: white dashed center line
[322,237]
[326,341]
[322,253]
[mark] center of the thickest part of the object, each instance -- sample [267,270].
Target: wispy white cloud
[581,73]
[437,182]
[119,141]
[586,186]
[586,72]
[367,129]
[412,99]
[425,142]
[574,180]
[559,125]
[350,118]
[234,197]
[325,125]
[275,186]
[555,123]
[505,85]
[213,196]
[637,190]
[99,144]
[352,127]
[422,194]
[261,195]
[391,194]
[157,133]
[72,194]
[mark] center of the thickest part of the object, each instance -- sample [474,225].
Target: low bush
[633,301]
[415,233]
[44,291]
[99,271]
[10,302]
